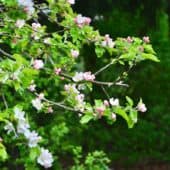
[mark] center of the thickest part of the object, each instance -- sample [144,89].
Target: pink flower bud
[57,71]
[50,110]
[74,53]
[100,110]
[106,103]
[146,39]
[141,107]
[41,96]
[129,39]
[32,87]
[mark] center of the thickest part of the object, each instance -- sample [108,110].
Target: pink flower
[57,71]
[74,53]
[81,21]
[71,2]
[146,39]
[41,96]
[100,110]
[32,87]
[141,107]
[88,76]
[38,64]
[50,110]
[106,103]
[108,41]
[129,39]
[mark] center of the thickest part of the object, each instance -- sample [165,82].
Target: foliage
[46,90]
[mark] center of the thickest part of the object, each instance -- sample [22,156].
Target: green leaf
[34,153]
[150,57]
[124,115]
[86,118]
[3,153]
[133,115]
[129,100]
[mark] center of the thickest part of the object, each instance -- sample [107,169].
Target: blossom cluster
[80,76]
[81,21]
[108,42]
[77,96]
[45,158]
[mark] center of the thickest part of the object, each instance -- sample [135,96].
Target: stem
[4,100]
[105,67]
[6,54]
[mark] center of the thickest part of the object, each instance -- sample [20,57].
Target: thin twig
[105,67]
[4,100]
[6,54]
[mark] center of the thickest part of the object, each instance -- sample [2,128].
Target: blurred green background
[149,140]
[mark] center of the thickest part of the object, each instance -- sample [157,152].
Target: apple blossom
[36,26]
[28,6]
[47,41]
[45,158]
[9,127]
[38,64]
[114,102]
[78,77]
[74,53]
[141,107]
[32,138]
[32,87]
[20,23]
[106,103]
[88,76]
[71,2]
[146,39]
[81,21]
[50,110]
[37,103]
[57,71]
[22,126]
[108,41]
[113,115]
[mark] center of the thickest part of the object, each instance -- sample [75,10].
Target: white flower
[113,116]
[114,102]
[36,26]
[45,159]
[47,41]
[19,114]
[71,2]
[71,88]
[22,126]
[108,41]
[74,53]
[37,104]
[141,107]
[38,64]
[28,6]
[9,127]
[78,77]
[33,138]
[20,23]
[41,96]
